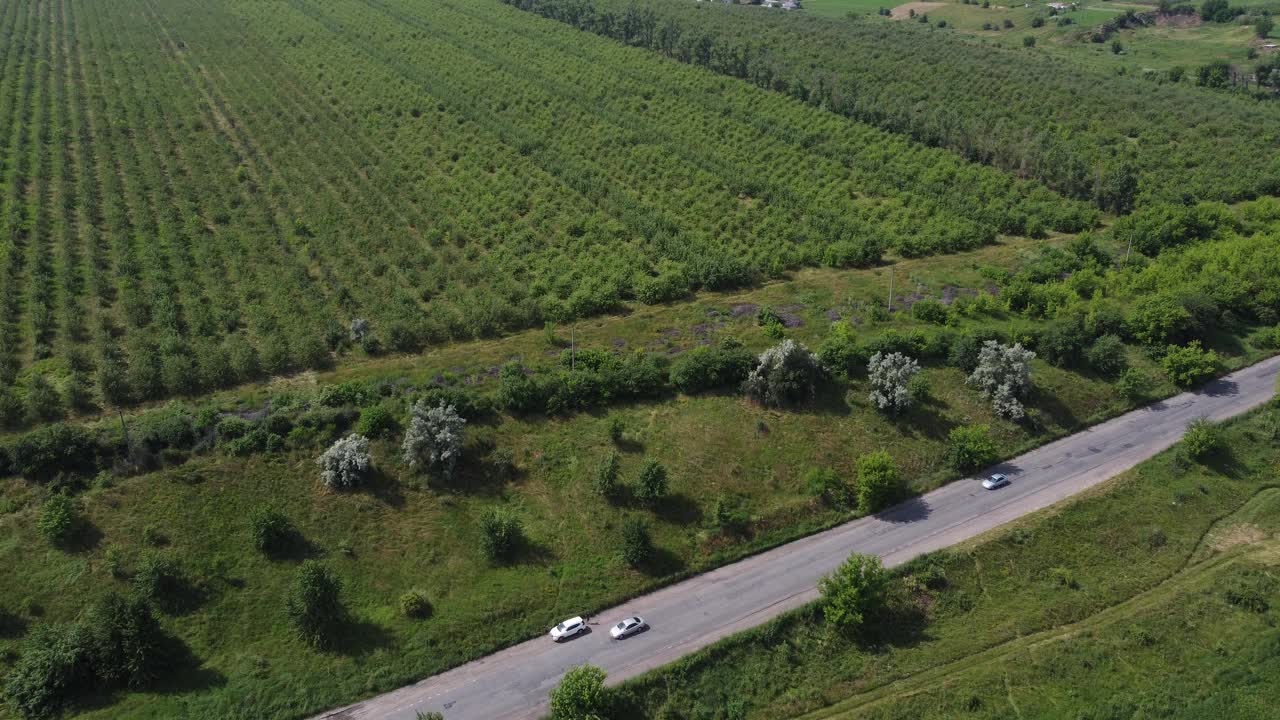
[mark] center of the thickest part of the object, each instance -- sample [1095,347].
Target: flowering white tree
[434,438]
[786,373]
[1003,375]
[345,463]
[890,375]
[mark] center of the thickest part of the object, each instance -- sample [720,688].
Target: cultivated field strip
[197,194]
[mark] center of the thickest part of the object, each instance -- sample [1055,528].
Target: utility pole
[573,347]
[128,446]
[1129,250]
[890,288]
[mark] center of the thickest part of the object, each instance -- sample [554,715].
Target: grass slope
[1127,601]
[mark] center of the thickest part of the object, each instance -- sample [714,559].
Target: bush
[434,439]
[345,463]
[784,375]
[314,606]
[60,521]
[651,487]
[891,377]
[607,476]
[272,531]
[971,448]
[879,482]
[414,604]
[581,695]
[377,421]
[840,352]
[729,514]
[637,548]
[1107,356]
[500,534]
[1190,364]
[1202,439]
[129,647]
[930,311]
[831,488]
[43,453]
[54,668]
[854,593]
[1133,384]
[966,349]
[709,368]
[160,581]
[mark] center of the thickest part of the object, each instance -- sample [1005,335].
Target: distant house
[790,5]
[1061,6]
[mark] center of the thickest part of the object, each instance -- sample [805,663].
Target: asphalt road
[514,683]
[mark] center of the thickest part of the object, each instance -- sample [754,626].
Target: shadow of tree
[355,637]
[383,487]
[678,509]
[292,546]
[11,625]
[661,563]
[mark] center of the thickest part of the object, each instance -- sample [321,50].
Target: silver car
[628,627]
[995,482]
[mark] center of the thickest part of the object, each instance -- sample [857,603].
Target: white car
[995,482]
[630,626]
[568,629]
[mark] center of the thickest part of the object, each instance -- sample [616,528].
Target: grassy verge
[1158,594]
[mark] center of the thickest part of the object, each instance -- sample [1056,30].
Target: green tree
[784,375]
[971,448]
[1263,25]
[651,487]
[1190,364]
[607,476]
[879,482]
[129,645]
[500,534]
[855,592]
[1107,356]
[60,521]
[581,695]
[637,547]
[44,404]
[315,604]
[272,532]
[1202,439]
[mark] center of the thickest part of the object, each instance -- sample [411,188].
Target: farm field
[439,171]
[1155,594]
[1073,127]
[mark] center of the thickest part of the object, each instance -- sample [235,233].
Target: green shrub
[159,580]
[971,448]
[710,368]
[60,521]
[840,352]
[314,606]
[785,374]
[831,488]
[651,486]
[1190,364]
[1107,356]
[607,476]
[930,311]
[1202,439]
[500,534]
[581,695]
[378,421]
[414,604]
[879,482]
[1133,384]
[271,530]
[43,453]
[637,547]
[854,593]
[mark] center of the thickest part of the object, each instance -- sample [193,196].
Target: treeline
[1111,139]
